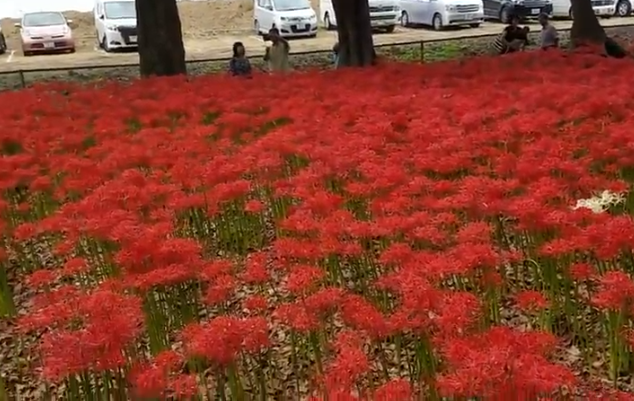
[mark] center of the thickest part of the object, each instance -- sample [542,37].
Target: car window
[119,9]
[290,5]
[43,19]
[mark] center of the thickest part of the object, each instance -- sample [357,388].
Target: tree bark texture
[586,28]
[356,48]
[161,49]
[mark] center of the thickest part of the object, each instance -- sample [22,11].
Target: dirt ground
[200,20]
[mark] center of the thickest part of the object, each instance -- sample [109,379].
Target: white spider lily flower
[599,203]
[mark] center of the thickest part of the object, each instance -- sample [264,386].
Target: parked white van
[384,14]
[442,13]
[115,22]
[294,18]
[602,8]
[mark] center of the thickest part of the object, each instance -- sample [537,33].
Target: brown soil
[200,19]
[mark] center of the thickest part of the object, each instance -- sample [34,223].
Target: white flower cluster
[600,202]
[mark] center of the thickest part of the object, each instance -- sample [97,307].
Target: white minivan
[384,14]
[294,18]
[442,13]
[602,8]
[115,22]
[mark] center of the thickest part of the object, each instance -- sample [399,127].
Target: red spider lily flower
[582,271]
[254,206]
[359,314]
[153,379]
[41,278]
[615,291]
[350,364]
[255,304]
[396,389]
[531,301]
[303,278]
[221,339]
[74,266]
[298,317]
[220,290]
[256,271]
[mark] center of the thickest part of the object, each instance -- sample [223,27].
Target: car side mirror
[102,16]
[69,21]
[270,8]
[17,25]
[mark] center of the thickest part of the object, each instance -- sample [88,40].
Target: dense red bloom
[110,325]
[374,221]
[502,362]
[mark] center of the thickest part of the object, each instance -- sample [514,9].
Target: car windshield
[43,19]
[290,5]
[120,9]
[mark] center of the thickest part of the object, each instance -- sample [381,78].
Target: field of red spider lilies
[448,231]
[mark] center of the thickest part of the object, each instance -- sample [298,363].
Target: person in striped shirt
[513,38]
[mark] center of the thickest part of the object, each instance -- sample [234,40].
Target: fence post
[422,51]
[22,80]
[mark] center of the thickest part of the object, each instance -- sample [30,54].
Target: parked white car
[384,14]
[293,18]
[442,13]
[602,8]
[115,22]
[3,42]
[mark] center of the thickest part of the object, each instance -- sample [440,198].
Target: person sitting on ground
[513,38]
[276,54]
[548,37]
[239,65]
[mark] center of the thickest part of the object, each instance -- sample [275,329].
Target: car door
[428,10]
[268,15]
[419,9]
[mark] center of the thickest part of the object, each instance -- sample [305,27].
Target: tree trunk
[585,25]
[161,49]
[356,48]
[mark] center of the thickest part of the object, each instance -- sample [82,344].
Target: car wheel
[623,8]
[436,22]
[104,45]
[390,28]
[404,19]
[474,25]
[256,28]
[327,23]
[72,50]
[505,15]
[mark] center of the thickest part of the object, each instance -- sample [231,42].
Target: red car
[45,32]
